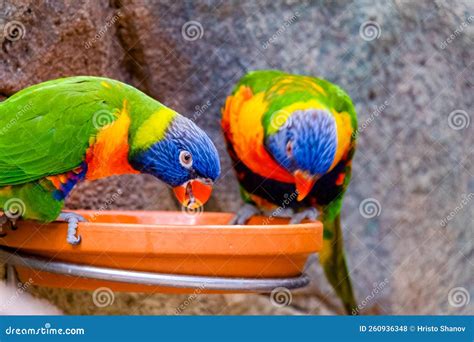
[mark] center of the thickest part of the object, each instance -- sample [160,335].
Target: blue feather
[162,158]
[72,180]
[314,142]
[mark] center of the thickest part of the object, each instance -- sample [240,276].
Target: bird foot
[4,219]
[13,224]
[244,214]
[72,219]
[280,212]
[309,213]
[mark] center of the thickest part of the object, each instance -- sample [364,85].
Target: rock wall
[408,65]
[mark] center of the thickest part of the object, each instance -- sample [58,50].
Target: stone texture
[405,84]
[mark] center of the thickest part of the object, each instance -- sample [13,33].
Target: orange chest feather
[242,124]
[108,155]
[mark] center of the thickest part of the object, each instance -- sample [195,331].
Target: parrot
[291,139]
[58,133]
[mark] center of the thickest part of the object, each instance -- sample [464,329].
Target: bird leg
[13,223]
[3,219]
[7,218]
[72,219]
[309,213]
[244,214]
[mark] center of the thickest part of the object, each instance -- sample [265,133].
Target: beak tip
[304,183]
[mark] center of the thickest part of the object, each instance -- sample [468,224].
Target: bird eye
[289,149]
[185,159]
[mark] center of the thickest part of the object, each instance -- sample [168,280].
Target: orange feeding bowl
[184,250]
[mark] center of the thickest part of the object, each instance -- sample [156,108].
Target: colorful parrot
[291,139]
[58,133]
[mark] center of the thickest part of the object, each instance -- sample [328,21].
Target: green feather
[332,256]
[46,130]
[57,120]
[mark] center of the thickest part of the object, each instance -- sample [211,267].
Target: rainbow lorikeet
[58,133]
[292,139]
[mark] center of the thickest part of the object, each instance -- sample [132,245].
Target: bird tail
[333,261]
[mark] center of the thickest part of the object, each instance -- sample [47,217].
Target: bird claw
[244,214]
[3,220]
[6,219]
[72,219]
[309,214]
[13,224]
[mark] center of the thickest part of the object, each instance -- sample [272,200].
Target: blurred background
[408,66]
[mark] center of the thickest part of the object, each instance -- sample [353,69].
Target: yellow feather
[153,129]
[6,190]
[344,134]
[294,82]
[245,117]
[105,84]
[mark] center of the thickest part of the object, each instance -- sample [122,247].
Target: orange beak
[304,183]
[194,193]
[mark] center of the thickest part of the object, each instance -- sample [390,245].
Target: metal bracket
[15,258]
[11,276]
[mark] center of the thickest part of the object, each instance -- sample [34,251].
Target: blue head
[185,158]
[305,145]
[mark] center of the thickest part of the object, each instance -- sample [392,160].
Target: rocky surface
[408,65]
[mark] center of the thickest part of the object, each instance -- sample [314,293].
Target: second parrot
[291,134]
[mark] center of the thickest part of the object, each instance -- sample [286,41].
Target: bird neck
[109,150]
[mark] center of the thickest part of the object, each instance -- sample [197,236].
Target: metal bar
[149,278]
[11,276]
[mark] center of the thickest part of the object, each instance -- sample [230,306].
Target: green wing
[259,81]
[45,129]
